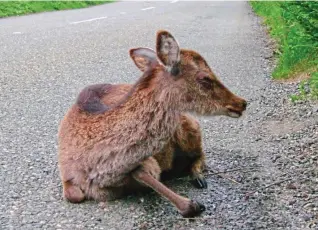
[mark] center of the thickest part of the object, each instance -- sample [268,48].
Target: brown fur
[101,154]
[187,137]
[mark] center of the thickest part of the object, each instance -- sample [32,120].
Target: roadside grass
[294,26]
[307,89]
[15,8]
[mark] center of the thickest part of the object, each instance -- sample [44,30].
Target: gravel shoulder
[270,154]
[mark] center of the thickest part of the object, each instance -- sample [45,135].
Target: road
[47,58]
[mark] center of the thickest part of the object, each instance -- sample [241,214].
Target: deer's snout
[244,104]
[236,108]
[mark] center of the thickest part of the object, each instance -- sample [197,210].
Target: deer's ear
[144,58]
[168,51]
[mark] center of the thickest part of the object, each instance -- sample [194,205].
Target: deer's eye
[206,82]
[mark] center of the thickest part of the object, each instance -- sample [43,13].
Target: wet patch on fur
[89,99]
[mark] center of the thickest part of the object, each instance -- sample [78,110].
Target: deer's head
[202,92]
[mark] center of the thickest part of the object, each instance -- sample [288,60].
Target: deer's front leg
[188,140]
[186,207]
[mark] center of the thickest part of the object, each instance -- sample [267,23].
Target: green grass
[14,8]
[294,25]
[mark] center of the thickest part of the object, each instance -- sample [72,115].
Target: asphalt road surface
[47,58]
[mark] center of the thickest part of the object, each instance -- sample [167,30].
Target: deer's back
[86,139]
[115,94]
[80,129]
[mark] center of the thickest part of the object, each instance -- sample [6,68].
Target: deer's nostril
[244,104]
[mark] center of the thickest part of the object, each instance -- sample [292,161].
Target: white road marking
[17,32]
[122,12]
[174,1]
[89,20]
[148,8]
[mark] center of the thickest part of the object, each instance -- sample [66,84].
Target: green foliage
[12,8]
[294,25]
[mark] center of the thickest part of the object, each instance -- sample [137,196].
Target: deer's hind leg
[76,191]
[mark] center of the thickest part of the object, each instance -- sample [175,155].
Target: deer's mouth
[234,113]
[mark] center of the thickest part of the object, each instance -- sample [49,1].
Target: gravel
[270,154]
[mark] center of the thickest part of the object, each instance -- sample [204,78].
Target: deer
[182,156]
[102,156]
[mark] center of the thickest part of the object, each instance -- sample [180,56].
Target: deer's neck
[151,112]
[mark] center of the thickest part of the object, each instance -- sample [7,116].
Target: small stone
[291,186]
[307,217]
[15,196]
[309,205]
[292,202]
[276,158]
[256,178]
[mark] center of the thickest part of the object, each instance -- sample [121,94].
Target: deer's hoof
[194,209]
[199,182]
